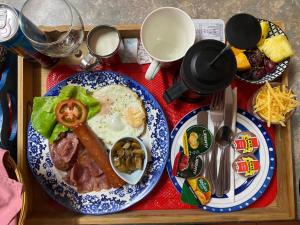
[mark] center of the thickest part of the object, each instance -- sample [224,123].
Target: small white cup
[103,43]
[166,34]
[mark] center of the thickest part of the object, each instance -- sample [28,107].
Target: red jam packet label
[247,165]
[246,142]
[187,166]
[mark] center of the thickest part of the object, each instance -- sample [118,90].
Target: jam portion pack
[246,165]
[246,142]
[197,140]
[196,191]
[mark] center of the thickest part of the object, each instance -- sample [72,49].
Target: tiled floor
[134,11]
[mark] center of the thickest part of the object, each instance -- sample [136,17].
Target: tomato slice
[71,113]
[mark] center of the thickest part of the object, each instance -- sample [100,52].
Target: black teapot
[198,75]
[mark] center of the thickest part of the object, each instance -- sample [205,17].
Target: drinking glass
[58,26]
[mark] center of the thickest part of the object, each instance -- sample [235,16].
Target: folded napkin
[10,195]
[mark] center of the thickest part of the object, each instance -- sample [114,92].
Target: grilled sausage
[97,151]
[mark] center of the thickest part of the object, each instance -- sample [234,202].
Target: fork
[217,117]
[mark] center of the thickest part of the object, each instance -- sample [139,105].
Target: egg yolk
[134,117]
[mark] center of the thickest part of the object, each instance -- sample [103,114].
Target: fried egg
[122,114]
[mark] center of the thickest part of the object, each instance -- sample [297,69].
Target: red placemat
[164,195]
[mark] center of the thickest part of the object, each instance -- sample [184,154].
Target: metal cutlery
[202,119]
[227,175]
[223,137]
[217,116]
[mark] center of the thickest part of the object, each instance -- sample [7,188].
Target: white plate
[246,190]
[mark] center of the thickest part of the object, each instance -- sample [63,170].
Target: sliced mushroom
[138,162]
[132,165]
[128,164]
[120,152]
[135,145]
[116,161]
[126,145]
[138,152]
[122,168]
[128,153]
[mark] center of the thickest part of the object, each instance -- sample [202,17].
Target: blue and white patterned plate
[156,139]
[243,191]
[280,68]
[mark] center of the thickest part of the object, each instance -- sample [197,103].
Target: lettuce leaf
[58,129]
[43,117]
[43,114]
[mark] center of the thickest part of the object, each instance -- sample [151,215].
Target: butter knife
[202,119]
[227,177]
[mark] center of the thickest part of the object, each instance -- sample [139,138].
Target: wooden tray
[32,82]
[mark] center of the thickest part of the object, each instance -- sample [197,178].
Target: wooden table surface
[32,83]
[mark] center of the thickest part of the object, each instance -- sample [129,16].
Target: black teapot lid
[243,31]
[198,75]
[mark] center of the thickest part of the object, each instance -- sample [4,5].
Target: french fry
[269,108]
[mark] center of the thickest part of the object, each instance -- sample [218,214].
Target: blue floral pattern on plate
[105,201]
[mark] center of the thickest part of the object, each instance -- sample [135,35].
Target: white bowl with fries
[273,103]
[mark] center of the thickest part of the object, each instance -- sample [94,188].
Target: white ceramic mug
[166,34]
